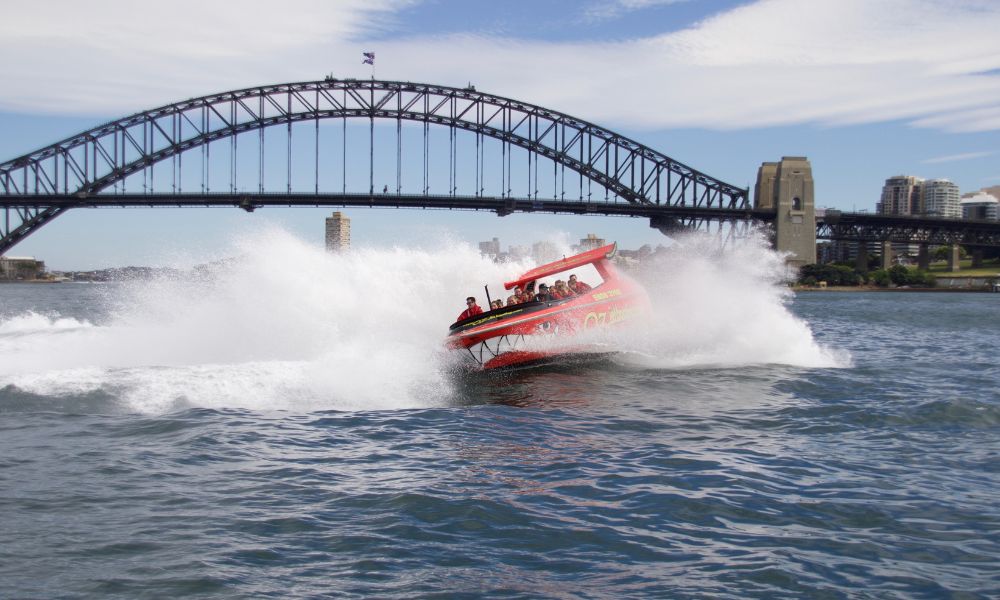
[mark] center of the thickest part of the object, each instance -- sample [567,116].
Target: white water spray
[289,327]
[722,307]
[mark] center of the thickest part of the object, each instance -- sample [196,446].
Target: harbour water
[289,426]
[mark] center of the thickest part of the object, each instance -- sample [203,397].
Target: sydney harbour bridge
[434,147]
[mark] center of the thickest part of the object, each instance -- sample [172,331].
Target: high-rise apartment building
[901,195]
[941,199]
[338,233]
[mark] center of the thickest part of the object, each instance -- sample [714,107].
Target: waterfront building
[14,268]
[591,242]
[490,249]
[338,233]
[901,195]
[941,199]
[837,251]
[980,205]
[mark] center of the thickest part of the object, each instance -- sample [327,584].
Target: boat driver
[472,309]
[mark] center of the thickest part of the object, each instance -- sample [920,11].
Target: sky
[866,89]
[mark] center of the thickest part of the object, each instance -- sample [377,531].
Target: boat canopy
[564,264]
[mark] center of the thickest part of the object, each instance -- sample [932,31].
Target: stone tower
[338,233]
[787,188]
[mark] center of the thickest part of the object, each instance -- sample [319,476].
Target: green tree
[880,278]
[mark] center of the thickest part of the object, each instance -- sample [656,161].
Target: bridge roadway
[684,215]
[833,225]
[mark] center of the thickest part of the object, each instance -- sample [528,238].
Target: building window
[796,203]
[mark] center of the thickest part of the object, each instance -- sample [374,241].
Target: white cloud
[106,56]
[956,157]
[772,62]
[610,9]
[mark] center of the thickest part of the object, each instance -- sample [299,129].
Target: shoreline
[866,288]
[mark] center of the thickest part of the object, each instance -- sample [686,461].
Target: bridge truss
[501,155]
[869,228]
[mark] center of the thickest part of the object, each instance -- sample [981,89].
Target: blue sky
[866,89]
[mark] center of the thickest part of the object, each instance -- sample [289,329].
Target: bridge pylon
[786,187]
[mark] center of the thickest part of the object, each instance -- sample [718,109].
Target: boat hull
[542,331]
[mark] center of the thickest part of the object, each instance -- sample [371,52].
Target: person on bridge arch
[578,287]
[472,309]
[385,189]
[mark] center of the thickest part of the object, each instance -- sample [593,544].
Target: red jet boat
[542,330]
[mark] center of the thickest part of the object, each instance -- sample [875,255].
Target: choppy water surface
[268,432]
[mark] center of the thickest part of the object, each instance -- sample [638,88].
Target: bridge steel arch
[86,169]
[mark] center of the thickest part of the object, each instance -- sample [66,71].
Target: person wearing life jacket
[578,287]
[471,309]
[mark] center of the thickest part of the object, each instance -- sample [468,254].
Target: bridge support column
[954,256]
[861,261]
[787,187]
[977,258]
[924,257]
[886,255]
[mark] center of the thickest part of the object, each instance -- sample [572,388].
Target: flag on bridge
[369,58]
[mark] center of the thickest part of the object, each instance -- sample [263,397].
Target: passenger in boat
[578,287]
[471,309]
[560,291]
[543,294]
[498,303]
[515,298]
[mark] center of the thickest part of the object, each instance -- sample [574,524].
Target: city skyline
[703,82]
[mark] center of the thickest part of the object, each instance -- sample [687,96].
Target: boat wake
[287,326]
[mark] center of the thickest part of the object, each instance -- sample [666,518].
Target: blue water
[876,478]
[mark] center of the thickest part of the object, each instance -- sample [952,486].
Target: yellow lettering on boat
[492,318]
[594,319]
[607,294]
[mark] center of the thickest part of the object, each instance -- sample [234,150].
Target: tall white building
[338,233]
[901,195]
[941,199]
